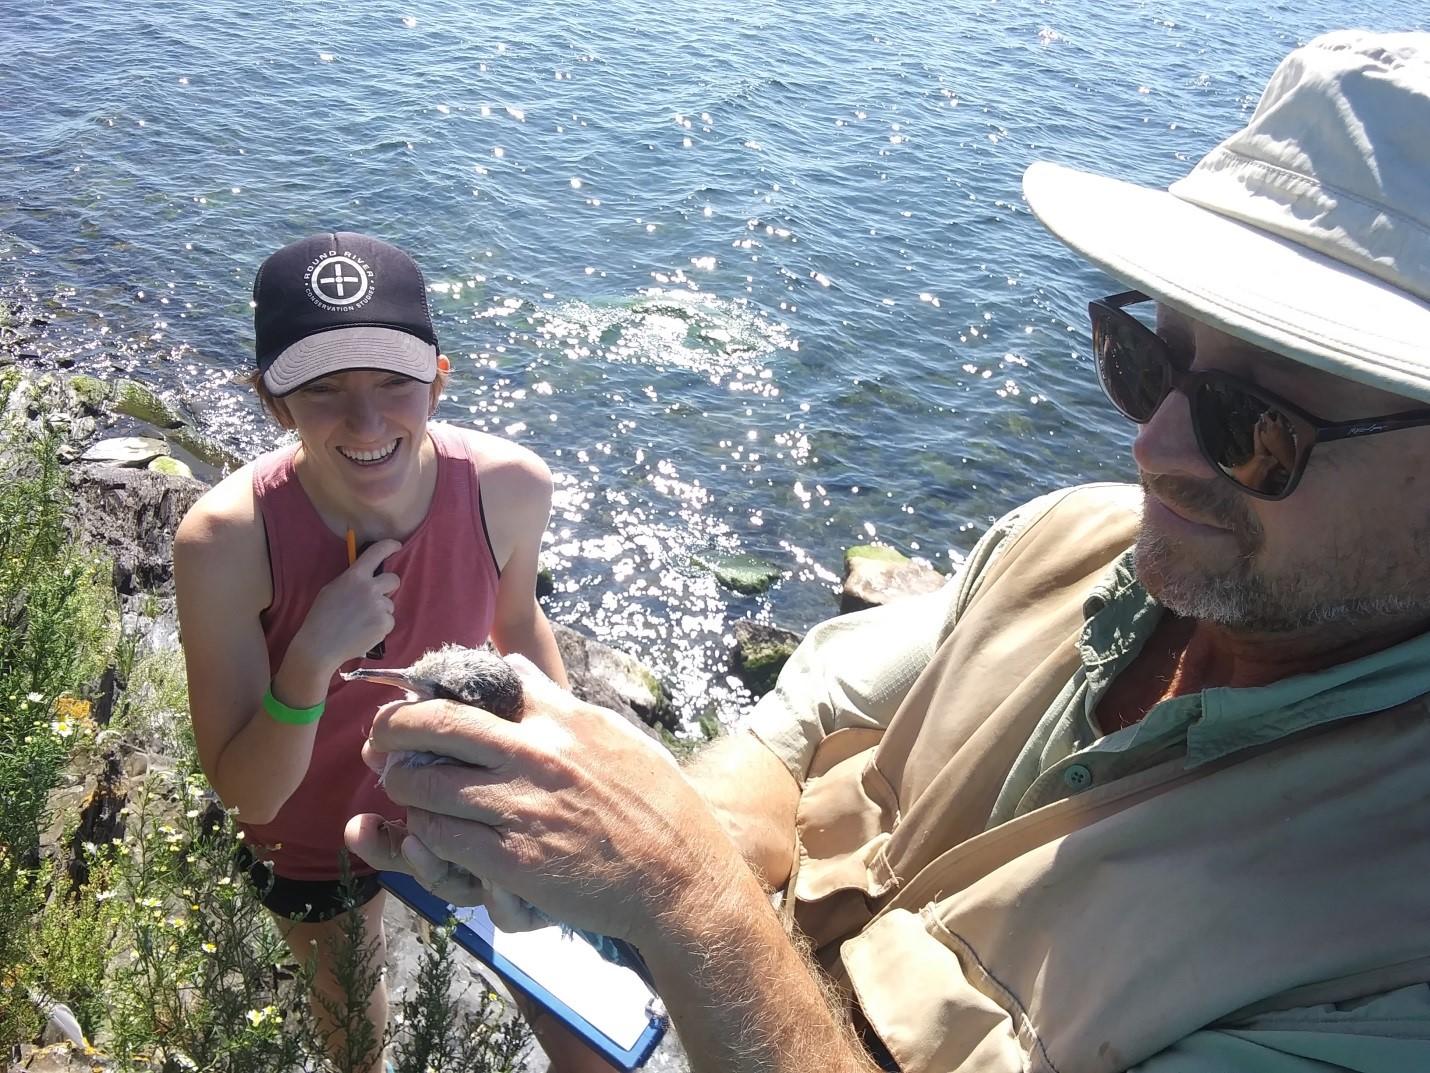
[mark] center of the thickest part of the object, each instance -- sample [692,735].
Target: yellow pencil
[352,547]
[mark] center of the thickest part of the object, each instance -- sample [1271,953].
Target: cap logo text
[339,281]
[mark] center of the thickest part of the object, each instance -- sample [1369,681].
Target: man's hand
[571,809]
[386,845]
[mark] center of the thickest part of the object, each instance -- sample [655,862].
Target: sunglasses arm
[1371,426]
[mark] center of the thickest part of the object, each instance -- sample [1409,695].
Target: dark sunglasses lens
[1133,369]
[1246,437]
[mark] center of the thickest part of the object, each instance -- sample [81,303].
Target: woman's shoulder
[225,514]
[221,549]
[500,463]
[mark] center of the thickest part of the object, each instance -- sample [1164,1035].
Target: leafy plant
[199,981]
[438,1038]
[149,933]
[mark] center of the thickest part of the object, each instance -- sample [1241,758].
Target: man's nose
[1167,444]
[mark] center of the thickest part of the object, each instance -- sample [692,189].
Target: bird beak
[421,688]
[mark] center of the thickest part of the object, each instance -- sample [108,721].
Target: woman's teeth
[368,457]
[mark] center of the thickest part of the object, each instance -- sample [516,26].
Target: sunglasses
[1257,440]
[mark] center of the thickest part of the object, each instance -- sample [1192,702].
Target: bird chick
[481,678]
[474,676]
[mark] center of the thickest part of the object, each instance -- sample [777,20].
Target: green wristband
[281,713]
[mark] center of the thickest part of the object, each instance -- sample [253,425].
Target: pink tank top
[448,594]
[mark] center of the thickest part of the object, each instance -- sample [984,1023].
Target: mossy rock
[545,582]
[92,391]
[882,552]
[744,573]
[170,466]
[681,748]
[761,652]
[137,401]
[710,725]
[204,449]
[656,687]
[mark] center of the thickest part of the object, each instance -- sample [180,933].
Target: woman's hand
[351,613]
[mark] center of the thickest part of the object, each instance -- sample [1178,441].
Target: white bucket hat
[1307,233]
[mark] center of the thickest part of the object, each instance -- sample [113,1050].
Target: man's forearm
[741,995]
[754,797]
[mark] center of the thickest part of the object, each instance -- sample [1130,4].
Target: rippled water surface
[751,278]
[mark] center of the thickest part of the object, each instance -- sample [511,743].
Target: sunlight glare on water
[750,279]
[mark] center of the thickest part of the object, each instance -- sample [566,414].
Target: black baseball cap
[340,301]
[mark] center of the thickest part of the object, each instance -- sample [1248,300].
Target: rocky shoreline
[134,467]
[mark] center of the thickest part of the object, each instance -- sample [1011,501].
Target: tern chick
[475,676]
[481,678]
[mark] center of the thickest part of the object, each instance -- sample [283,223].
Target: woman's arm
[516,500]
[222,584]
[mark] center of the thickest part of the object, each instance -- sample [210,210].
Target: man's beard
[1235,593]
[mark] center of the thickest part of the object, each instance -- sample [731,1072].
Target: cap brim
[1245,282]
[344,349]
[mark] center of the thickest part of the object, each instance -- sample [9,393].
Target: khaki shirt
[854,675]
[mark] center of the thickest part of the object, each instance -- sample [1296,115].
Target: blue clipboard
[475,934]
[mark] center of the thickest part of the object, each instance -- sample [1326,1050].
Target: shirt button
[1077,776]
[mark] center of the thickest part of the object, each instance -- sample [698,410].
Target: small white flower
[258,1017]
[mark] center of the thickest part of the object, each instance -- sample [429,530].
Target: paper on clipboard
[610,1007]
[614,1000]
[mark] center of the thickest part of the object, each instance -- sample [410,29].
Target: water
[749,280]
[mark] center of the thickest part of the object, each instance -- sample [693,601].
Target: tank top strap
[455,449]
[295,533]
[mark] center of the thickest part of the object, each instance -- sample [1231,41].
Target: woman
[376,533]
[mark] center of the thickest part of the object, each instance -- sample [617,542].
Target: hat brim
[344,349]
[1241,280]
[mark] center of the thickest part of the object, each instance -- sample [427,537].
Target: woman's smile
[373,457]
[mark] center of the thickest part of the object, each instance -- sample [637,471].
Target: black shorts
[310,901]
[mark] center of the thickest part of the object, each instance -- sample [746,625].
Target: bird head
[474,676]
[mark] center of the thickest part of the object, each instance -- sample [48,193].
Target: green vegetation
[124,903]
[485,1039]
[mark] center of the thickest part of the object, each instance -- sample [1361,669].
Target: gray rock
[759,654]
[125,451]
[131,514]
[600,674]
[875,575]
[56,1058]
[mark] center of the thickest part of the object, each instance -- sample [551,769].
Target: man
[1147,788]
